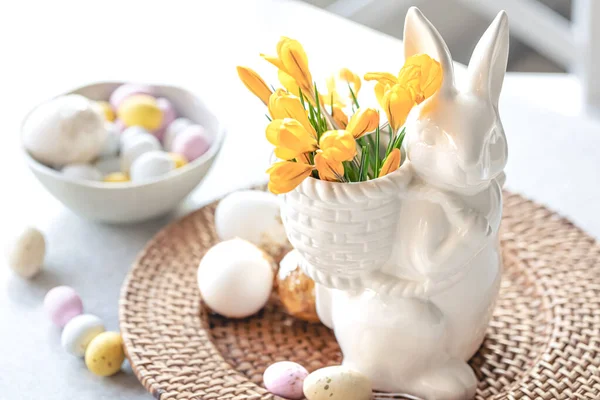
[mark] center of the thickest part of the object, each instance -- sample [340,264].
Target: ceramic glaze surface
[407,266]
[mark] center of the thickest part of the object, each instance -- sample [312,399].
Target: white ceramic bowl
[133,202]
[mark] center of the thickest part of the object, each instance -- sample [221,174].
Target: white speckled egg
[285,379]
[68,129]
[79,332]
[174,128]
[25,252]
[82,172]
[112,143]
[135,147]
[251,215]
[151,165]
[131,132]
[337,383]
[235,278]
[108,165]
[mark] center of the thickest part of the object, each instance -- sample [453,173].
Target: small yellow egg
[140,110]
[116,177]
[106,110]
[179,159]
[104,355]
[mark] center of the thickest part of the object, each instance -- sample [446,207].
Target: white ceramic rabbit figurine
[407,266]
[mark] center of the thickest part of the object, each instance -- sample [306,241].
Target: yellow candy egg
[104,355]
[116,177]
[140,110]
[179,160]
[106,110]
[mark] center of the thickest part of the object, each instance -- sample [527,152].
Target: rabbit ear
[420,36]
[488,62]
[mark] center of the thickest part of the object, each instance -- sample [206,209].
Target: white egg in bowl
[128,202]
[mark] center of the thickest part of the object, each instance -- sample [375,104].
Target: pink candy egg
[126,90]
[191,143]
[169,115]
[285,379]
[62,303]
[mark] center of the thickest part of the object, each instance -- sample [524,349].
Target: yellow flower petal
[380,89]
[329,170]
[391,163]
[339,117]
[289,138]
[397,103]
[382,77]
[272,131]
[284,176]
[338,145]
[295,62]
[273,60]
[422,75]
[288,82]
[364,121]
[275,109]
[254,83]
[284,105]
[350,78]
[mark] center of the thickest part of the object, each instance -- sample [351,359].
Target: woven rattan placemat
[543,342]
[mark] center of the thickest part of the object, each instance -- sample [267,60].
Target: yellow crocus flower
[380,89]
[290,138]
[339,117]
[397,103]
[363,121]
[284,176]
[382,77]
[350,78]
[329,170]
[391,162]
[338,145]
[288,82]
[284,105]
[422,74]
[291,59]
[254,83]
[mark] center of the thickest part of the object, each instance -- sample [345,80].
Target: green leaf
[377,160]
[269,118]
[302,98]
[363,160]
[400,139]
[353,96]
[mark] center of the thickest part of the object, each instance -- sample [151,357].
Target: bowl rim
[214,148]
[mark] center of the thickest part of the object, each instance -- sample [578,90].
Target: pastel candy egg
[178,159]
[79,332]
[85,172]
[106,109]
[151,165]
[104,354]
[111,143]
[116,177]
[108,165]
[62,303]
[68,129]
[173,130]
[235,278]
[130,132]
[25,252]
[337,383]
[285,379]
[169,115]
[141,110]
[192,142]
[135,147]
[126,90]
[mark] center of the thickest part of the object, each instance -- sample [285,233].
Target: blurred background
[461,23]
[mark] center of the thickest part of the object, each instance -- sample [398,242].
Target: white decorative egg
[130,132]
[135,147]
[173,130]
[337,383]
[112,143]
[151,165]
[235,278]
[85,172]
[251,215]
[79,332]
[68,129]
[108,165]
[25,252]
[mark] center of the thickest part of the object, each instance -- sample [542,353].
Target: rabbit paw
[453,381]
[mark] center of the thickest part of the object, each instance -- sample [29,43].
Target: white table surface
[47,47]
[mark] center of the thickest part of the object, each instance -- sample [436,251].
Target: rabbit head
[457,142]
